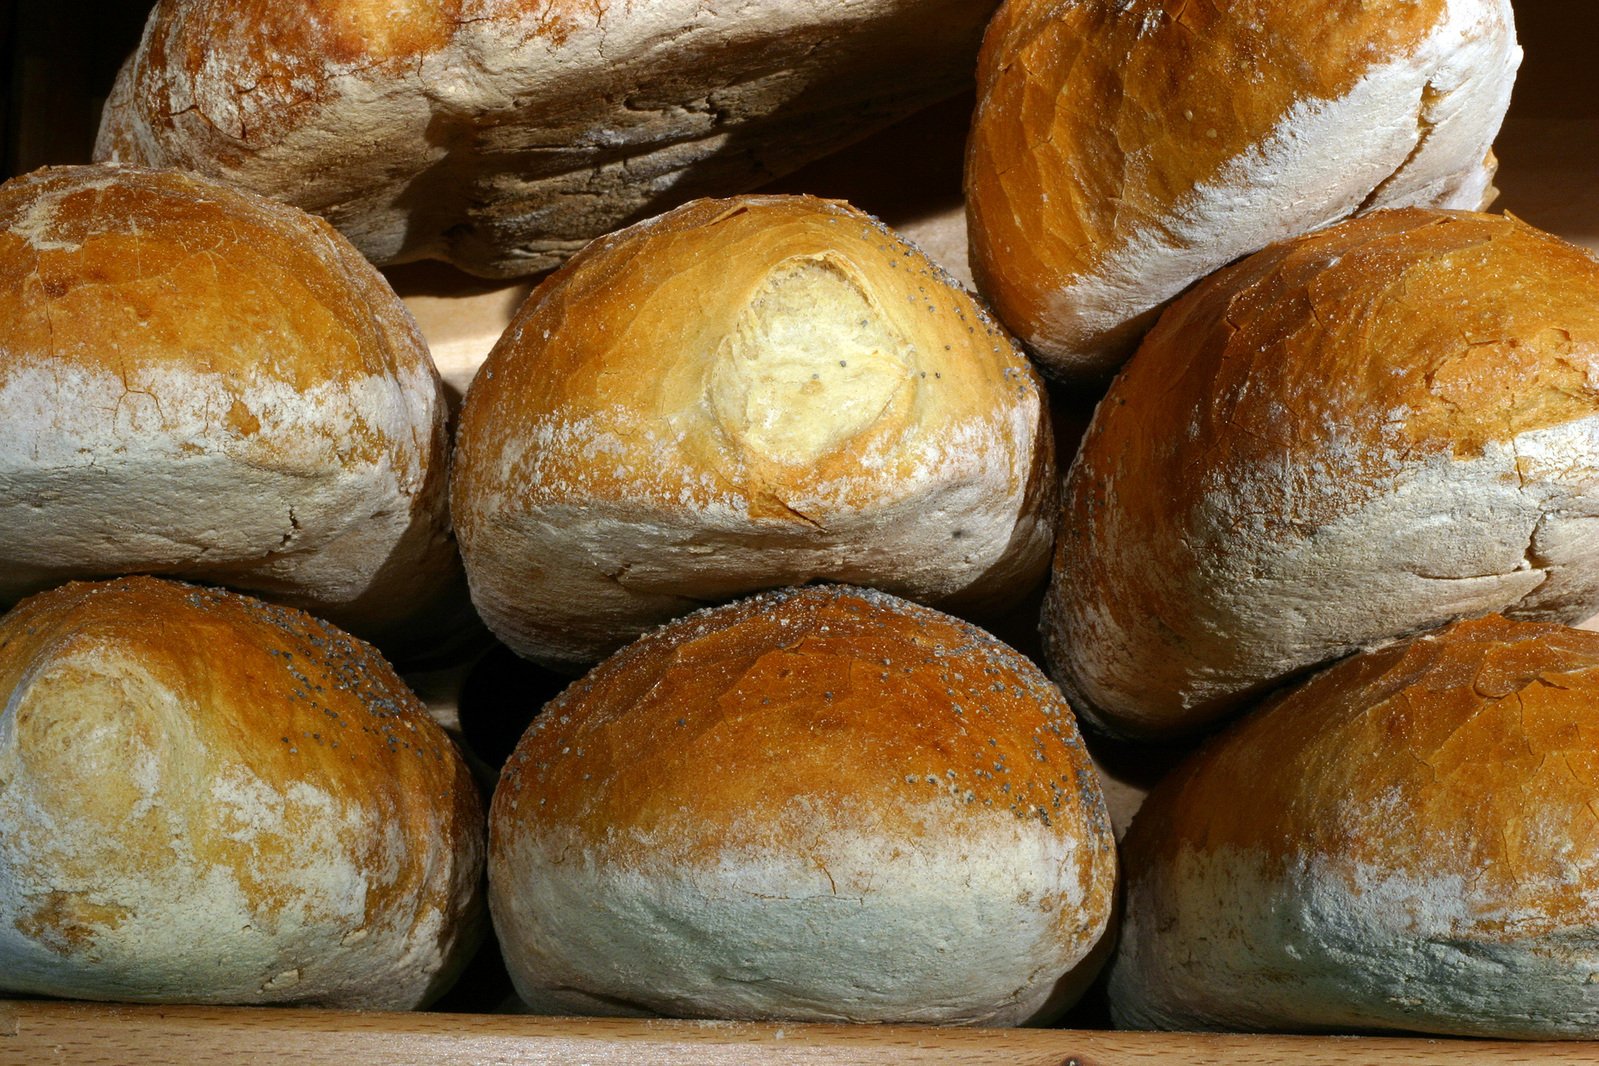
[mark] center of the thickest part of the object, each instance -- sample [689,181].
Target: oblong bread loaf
[1341,440]
[502,135]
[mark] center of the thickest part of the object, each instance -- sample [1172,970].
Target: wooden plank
[40,1032]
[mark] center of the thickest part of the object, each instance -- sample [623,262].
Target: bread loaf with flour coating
[502,135]
[1339,441]
[743,394]
[1406,841]
[205,798]
[820,804]
[203,383]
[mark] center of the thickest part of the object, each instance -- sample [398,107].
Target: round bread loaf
[203,383]
[1404,841]
[205,798]
[502,135]
[743,394]
[823,804]
[1344,439]
[1123,149]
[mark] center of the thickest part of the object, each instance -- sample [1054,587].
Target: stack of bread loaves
[1349,410]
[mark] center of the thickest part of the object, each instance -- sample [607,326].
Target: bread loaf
[205,798]
[1341,440]
[742,394]
[1123,149]
[1405,841]
[203,383]
[502,135]
[823,804]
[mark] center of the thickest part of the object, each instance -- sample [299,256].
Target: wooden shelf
[33,1033]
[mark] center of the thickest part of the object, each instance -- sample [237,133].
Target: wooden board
[35,1033]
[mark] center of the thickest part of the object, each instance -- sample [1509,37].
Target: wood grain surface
[38,1032]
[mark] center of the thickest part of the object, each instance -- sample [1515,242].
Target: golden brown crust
[891,811]
[927,707]
[1433,797]
[633,321]
[780,378]
[1099,123]
[146,269]
[245,703]
[1321,380]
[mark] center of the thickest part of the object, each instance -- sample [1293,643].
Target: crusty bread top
[158,270]
[1431,754]
[719,730]
[1395,336]
[648,349]
[1245,503]
[1121,150]
[264,686]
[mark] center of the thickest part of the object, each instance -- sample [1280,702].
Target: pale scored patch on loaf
[809,365]
[1418,116]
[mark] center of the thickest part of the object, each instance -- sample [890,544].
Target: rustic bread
[204,383]
[1405,841]
[1123,149]
[744,394]
[205,798]
[504,134]
[823,803]
[1344,439]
